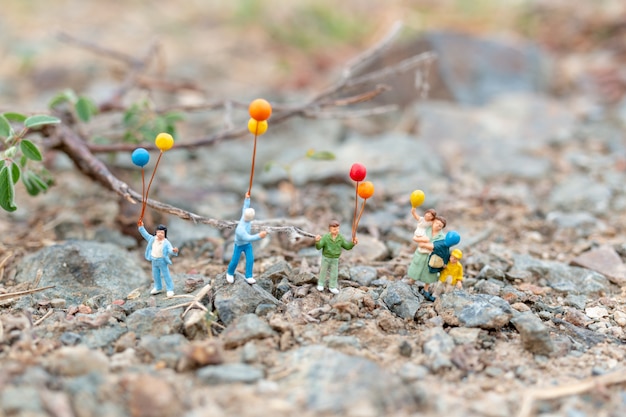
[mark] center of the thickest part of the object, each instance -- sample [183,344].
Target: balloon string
[256,130]
[356,204]
[143,190]
[358,219]
[150,183]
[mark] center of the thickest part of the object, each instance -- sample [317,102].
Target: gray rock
[240,298]
[535,335]
[400,299]
[229,374]
[76,360]
[83,269]
[364,275]
[328,381]
[459,308]
[244,329]
[167,348]
[155,322]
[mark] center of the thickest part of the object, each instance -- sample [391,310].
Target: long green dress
[418,269]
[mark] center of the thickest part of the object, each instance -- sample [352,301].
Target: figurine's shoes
[427,295]
[250,280]
[155,291]
[334,290]
[320,288]
[170,294]
[230,278]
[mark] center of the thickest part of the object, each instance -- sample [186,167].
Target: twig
[45,316]
[10,295]
[538,394]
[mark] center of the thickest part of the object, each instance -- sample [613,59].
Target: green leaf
[15,172]
[67,96]
[33,183]
[40,120]
[321,155]
[30,150]
[15,117]
[7,190]
[5,127]
[85,108]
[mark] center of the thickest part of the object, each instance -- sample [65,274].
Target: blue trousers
[247,251]
[160,268]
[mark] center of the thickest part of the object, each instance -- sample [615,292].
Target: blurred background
[525,102]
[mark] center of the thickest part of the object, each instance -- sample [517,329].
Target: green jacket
[332,248]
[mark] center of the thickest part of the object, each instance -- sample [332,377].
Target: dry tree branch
[82,153]
[551,393]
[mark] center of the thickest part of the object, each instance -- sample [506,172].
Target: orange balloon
[260,110]
[365,190]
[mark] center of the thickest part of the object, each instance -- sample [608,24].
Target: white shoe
[320,288]
[230,278]
[155,291]
[250,280]
[170,294]
[334,290]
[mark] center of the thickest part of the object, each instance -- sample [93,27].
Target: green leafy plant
[20,157]
[141,123]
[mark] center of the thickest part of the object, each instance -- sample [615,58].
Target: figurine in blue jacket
[158,252]
[243,243]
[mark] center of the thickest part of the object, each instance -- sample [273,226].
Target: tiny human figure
[243,243]
[418,268]
[158,251]
[331,244]
[423,222]
[452,274]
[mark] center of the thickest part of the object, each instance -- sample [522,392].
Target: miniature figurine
[452,274]
[243,243]
[422,223]
[331,244]
[158,252]
[418,268]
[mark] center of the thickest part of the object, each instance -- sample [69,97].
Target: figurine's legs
[234,261]
[334,273]
[321,280]
[156,275]
[249,254]
[165,272]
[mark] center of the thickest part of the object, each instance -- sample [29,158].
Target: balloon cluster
[260,110]
[141,157]
[363,189]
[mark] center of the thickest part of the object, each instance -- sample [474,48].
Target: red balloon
[358,172]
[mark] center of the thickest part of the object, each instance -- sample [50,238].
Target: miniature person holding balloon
[158,251]
[331,245]
[418,268]
[243,243]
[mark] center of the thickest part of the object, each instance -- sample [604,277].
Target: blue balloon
[452,238]
[140,157]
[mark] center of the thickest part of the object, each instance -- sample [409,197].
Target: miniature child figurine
[422,223]
[243,243]
[331,244]
[158,252]
[453,272]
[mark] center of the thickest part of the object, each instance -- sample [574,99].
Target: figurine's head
[161,232]
[429,215]
[333,227]
[456,255]
[439,223]
[248,214]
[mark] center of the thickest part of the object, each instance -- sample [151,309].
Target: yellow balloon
[257,128]
[417,198]
[164,141]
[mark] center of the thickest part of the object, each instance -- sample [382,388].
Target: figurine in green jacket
[331,244]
